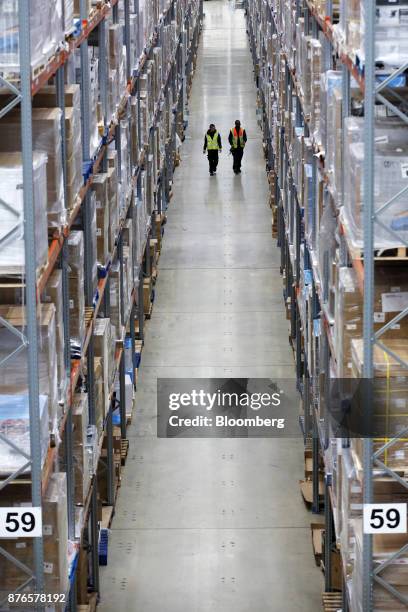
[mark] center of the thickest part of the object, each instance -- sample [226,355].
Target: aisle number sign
[20,522]
[385,518]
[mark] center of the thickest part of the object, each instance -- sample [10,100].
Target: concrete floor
[214,524]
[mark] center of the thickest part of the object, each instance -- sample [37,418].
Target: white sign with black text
[20,522]
[385,518]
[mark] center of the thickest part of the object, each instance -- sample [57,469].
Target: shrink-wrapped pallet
[12,250]
[46,124]
[53,294]
[15,425]
[14,371]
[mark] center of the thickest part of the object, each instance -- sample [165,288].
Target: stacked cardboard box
[55,538]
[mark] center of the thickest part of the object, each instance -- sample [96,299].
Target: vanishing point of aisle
[214,524]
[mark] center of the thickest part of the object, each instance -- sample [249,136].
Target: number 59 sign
[385,518]
[20,522]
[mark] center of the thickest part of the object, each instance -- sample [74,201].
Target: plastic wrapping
[391,32]
[53,293]
[113,198]
[115,300]
[128,264]
[82,467]
[55,540]
[68,15]
[93,102]
[390,398]
[12,251]
[326,242]
[117,80]
[15,425]
[14,371]
[390,298]
[331,125]
[100,189]
[104,350]
[93,239]
[46,138]
[45,98]
[46,33]
[76,290]
[99,394]
[92,448]
[55,530]
[94,139]
[390,177]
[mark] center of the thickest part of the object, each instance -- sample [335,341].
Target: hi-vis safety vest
[212,142]
[235,136]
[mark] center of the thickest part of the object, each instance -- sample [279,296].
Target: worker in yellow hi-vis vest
[213,146]
[237,139]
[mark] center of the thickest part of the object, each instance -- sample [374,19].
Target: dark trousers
[237,155]
[213,160]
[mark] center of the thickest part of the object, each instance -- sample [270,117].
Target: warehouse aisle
[214,524]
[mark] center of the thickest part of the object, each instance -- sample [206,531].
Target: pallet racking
[303,194]
[171,41]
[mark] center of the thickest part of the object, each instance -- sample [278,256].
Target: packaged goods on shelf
[330,116]
[55,539]
[46,34]
[46,138]
[104,347]
[53,294]
[130,265]
[129,392]
[113,208]
[94,139]
[15,425]
[76,290]
[100,185]
[390,298]
[391,36]
[68,15]
[134,137]
[397,572]
[127,282]
[390,176]
[125,170]
[116,62]
[390,398]
[100,410]
[14,371]
[12,252]
[45,98]
[116,300]
[82,467]
[93,240]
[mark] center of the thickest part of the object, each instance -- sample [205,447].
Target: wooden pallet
[107,516]
[332,602]
[91,606]
[148,315]
[124,449]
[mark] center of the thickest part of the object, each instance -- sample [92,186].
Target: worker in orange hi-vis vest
[237,139]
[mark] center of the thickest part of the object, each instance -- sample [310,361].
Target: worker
[213,146]
[237,139]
